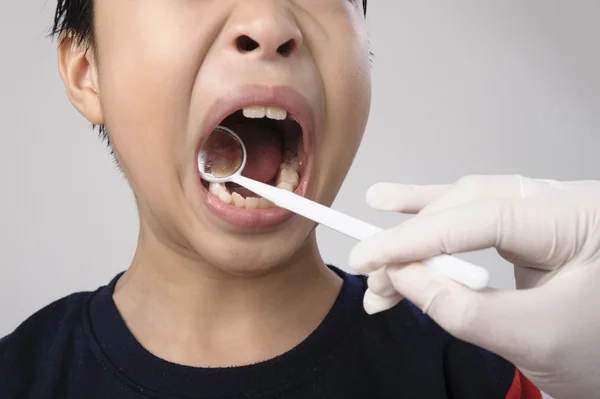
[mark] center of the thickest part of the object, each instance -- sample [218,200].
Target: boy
[227,296]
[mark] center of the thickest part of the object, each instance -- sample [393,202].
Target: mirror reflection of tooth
[225,197]
[222,168]
[238,200]
[252,203]
[238,162]
[285,186]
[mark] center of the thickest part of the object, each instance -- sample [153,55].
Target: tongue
[264,151]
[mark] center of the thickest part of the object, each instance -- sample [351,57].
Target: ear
[78,70]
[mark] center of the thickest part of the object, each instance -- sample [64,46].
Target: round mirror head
[222,156]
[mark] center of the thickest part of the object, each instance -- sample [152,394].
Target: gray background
[460,87]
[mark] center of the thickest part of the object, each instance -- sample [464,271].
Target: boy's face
[171,70]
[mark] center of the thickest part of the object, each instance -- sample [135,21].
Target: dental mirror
[223,158]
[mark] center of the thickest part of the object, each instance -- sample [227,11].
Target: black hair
[76,18]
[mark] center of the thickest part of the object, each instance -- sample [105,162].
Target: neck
[183,313]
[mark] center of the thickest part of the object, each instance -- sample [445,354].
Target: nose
[265,29]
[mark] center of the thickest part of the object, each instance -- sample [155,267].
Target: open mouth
[276,141]
[273,140]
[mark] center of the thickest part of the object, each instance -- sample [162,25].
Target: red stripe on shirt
[522,388]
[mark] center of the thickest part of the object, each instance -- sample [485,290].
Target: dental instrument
[215,168]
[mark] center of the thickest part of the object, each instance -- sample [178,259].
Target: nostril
[287,48]
[246,44]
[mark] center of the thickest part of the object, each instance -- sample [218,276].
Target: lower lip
[250,218]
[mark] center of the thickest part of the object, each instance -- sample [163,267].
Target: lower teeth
[287,179]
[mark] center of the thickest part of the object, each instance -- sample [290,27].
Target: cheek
[348,88]
[148,58]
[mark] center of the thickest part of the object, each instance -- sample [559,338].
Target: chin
[255,254]
[255,262]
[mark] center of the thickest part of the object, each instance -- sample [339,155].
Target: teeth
[255,111]
[289,175]
[216,188]
[294,165]
[238,200]
[252,203]
[225,197]
[259,111]
[264,203]
[219,190]
[276,113]
[286,186]
[289,172]
[290,160]
[288,179]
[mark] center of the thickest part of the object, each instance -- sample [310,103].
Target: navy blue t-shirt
[80,347]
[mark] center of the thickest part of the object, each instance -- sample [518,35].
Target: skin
[199,292]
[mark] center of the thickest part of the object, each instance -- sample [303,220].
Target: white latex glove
[550,326]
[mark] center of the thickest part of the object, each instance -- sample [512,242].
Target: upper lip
[276,96]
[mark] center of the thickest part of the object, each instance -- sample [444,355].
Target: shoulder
[49,320]
[42,338]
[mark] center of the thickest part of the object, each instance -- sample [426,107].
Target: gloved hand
[550,326]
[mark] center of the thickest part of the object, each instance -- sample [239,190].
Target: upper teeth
[259,111]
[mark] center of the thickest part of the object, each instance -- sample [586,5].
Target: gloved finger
[412,199]
[466,227]
[405,198]
[503,322]
[380,284]
[424,288]
[374,303]
[520,227]
[473,188]
[381,294]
